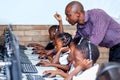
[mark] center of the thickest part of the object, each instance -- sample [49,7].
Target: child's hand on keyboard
[50,73]
[32,44]
[39,48]
[42,56]
[43,63]
[46,75]
[37,51]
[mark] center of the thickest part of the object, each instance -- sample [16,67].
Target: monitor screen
[13,52]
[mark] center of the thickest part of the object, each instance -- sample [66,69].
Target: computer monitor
[14,70]
[8,40]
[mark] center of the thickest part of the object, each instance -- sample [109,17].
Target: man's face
[71,16]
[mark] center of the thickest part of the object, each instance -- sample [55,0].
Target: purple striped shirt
[100,28]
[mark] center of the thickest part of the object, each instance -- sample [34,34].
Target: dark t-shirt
[49,46]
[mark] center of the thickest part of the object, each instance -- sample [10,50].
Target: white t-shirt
[63,58]
[89,74]
[72,68]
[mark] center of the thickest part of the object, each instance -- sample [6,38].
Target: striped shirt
[99,28]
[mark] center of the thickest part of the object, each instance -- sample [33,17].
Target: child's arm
[59,66]
[84,64]
[38,51]
[35,44]
[62,73]
[73,73]
[57,56]
[49,52]
[46,54]
[63,67]
[56,72]
[59,19]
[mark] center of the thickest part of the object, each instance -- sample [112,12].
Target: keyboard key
[34,77]
[28,68]
[25,60]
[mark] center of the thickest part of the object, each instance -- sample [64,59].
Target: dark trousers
[114,54]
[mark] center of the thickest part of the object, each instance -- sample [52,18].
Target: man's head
[74,13]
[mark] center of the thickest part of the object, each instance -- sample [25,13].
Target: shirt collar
[86,16]
[86,19]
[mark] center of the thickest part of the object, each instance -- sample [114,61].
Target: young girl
[62,41]
[84,59]
[70,56]
[52,35]
[54,29]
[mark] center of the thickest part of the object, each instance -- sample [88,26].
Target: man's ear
[78,13]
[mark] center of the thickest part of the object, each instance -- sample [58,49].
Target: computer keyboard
[34,77]
[22,51]
[25,61]
[22,47]
[23,55]
[28,68]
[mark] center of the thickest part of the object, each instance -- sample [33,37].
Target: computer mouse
[34,53]
[34,49]
[46,75]
[38,64]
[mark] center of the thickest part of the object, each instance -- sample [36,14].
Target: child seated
[85,57]
[62,42]
[52,31]
[84,62]
[49,49]
[69,58]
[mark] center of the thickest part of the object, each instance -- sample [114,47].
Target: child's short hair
[54,28]
[79,40]
[66,38]
[89,50]
[109,71]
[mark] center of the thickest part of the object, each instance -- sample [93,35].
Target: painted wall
[35,12]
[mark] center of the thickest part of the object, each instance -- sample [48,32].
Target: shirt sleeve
[77,35]
[100,25]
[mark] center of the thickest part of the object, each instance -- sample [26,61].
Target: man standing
[97,26]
